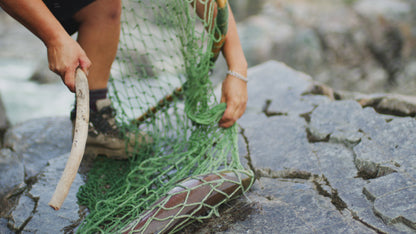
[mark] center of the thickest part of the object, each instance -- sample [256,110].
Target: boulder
[323,165]
[37,141]
[11,171]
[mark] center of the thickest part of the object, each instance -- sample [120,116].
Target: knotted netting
[182,166]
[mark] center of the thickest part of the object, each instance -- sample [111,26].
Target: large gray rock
[39,140]
[323,166]
[391,196]
[244,8]
[340,145]
[362,45]
[32,214]
[29,147]
[44,219]
[38,150]
[11,171]
[391,9]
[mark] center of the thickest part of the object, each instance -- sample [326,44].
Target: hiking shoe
[105,137]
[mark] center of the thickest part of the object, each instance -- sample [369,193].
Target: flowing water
[24,99]
[20,55]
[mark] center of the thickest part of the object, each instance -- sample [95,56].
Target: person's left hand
[234,93]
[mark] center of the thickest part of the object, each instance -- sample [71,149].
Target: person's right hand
[64,57]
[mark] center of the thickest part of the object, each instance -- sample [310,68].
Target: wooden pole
[79,141]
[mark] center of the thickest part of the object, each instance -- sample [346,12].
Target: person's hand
[234,93]
[64,57]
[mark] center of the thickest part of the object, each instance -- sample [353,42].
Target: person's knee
[110,11]
[113,12]
[101,11]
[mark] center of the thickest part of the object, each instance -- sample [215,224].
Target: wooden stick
[79,141]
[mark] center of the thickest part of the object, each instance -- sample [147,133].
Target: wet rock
[39,140]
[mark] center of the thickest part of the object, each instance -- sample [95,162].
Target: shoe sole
[94,151]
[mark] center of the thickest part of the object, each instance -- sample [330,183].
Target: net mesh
[182,166]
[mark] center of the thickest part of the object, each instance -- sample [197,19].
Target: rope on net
[161,88]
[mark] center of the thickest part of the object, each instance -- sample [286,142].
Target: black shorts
[64,11]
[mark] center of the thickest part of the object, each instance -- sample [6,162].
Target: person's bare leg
[98,35]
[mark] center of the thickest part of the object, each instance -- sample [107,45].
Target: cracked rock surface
[322,166]
[361,164]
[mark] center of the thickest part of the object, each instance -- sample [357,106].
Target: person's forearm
[36,17]
[232,49]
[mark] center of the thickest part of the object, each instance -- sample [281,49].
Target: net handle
[222,25]
[78,143]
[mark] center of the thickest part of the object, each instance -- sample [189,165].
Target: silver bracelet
[237,75]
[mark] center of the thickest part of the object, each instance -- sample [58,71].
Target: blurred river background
[356,45]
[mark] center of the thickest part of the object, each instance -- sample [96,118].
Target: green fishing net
[182,166]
